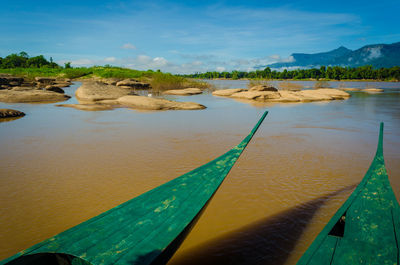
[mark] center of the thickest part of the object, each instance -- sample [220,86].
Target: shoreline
[31,73]
[303,80]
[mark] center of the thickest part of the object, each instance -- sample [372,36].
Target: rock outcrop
[284,96]
[132,83]
[9,82]
[10,113]
[147,103]
[31,96]
[263,88]
[62,84]
[45,79]
[349,89]
[373,90]
[95,95]
[55,89]
[22,88]
[257,95]
[87,107]
[183,92]
[227,92]
[96,91]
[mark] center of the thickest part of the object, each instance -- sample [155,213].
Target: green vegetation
[290,86]
[322,84]
[162,81]
[23,65]
[329,73]
[23,60]
[258,82]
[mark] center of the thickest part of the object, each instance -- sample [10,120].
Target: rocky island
[10,113]
[41,90]
[267,93]
[97,95]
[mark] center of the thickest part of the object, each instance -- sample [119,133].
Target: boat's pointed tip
[379,150]
[381,130]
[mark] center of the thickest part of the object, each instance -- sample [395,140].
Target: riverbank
[303,79]
[159,81]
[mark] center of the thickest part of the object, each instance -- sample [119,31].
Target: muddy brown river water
[61,166]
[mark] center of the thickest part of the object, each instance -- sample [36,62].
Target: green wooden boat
[145,230]
[366,229]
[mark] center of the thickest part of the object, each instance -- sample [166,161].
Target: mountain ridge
[377,55]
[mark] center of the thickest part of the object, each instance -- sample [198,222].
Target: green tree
[37,61]
[24,55]
[14,60]
[235,75]
[267,72]
[322,69]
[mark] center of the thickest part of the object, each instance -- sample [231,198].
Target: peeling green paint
[139,230]
[372,224]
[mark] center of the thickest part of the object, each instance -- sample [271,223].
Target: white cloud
[275,58]
[110,59]
[128,46]
[160,62]
[145,62]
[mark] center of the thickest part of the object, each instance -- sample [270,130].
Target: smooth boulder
[11,80]
[286,96]
[263,88]
[45,79]
[257,95]
[373,90]
[132,83]
[62,84]
[22,88]
[10,113]
[31,96]
[87,107]
[350,89]
[183,92]
[55,89]
[324,94]
[95,91]
[227,92]
[148,103]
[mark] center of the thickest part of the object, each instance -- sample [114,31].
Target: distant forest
[22,60]
[332,73]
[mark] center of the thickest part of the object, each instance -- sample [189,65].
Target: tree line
[23,60]
[330,72]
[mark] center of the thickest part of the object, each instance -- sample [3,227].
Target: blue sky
[190,36]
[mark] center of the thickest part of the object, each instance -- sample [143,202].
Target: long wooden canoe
[366,229]
[145,230]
